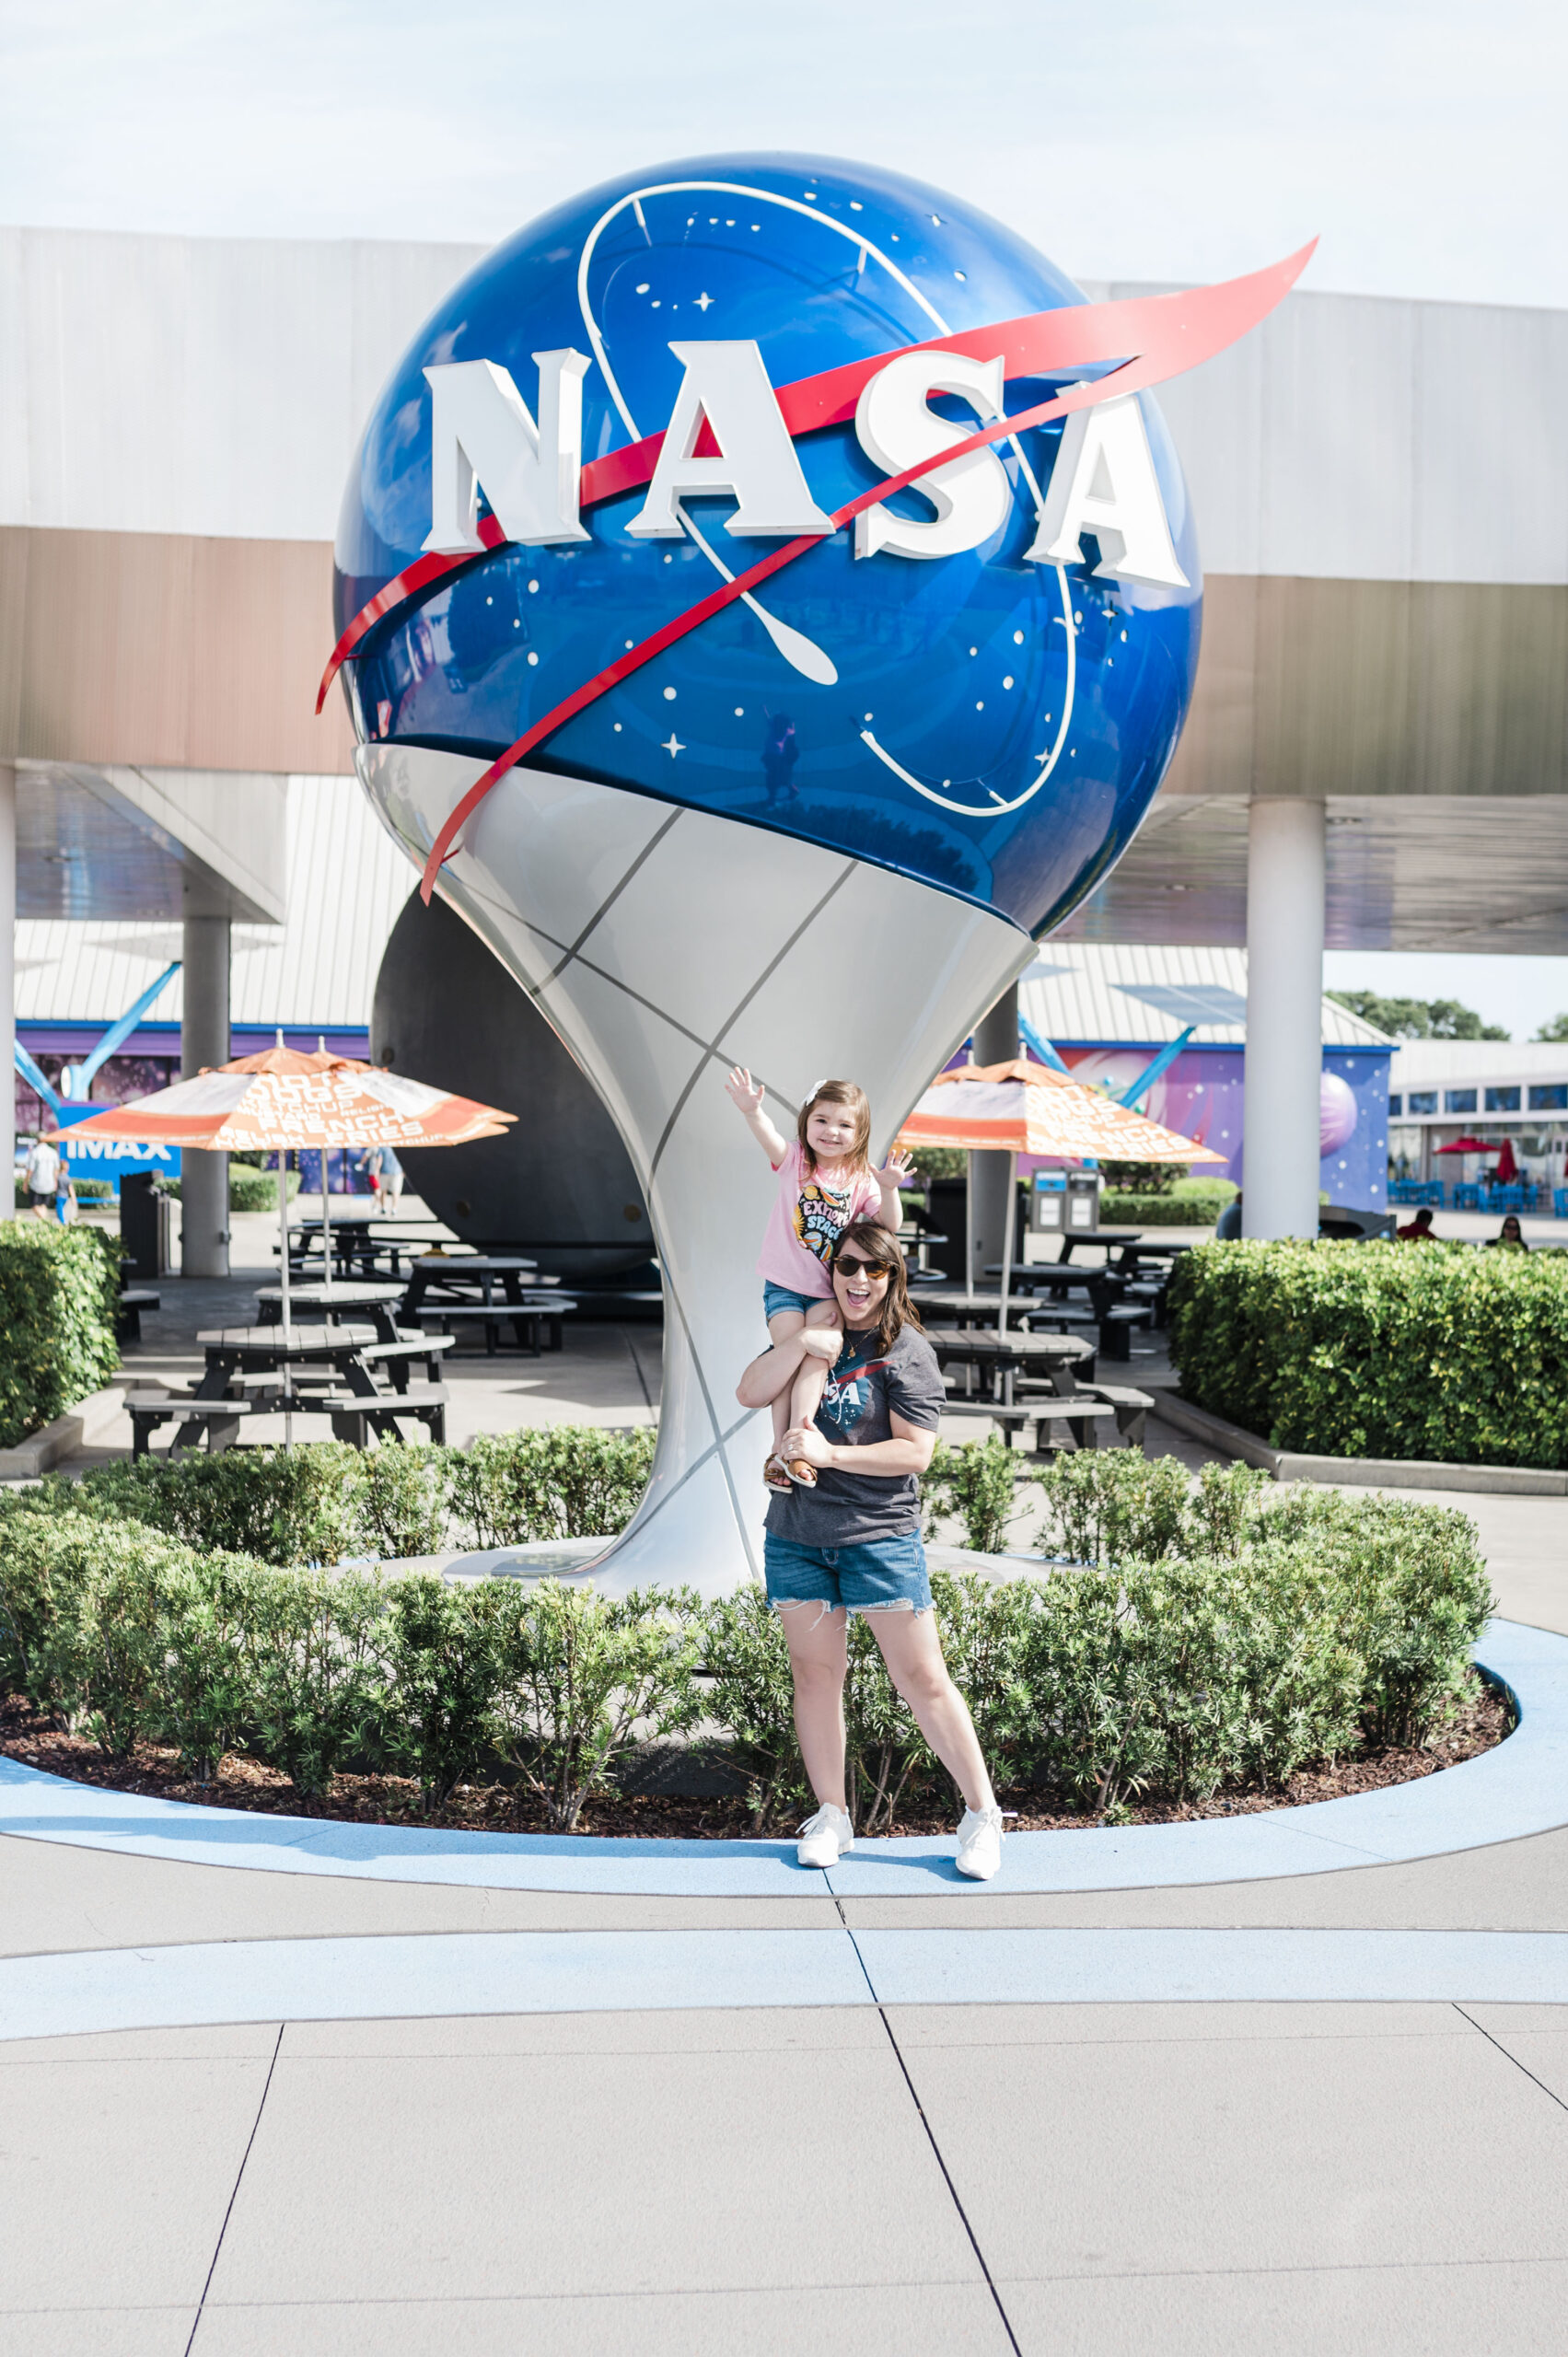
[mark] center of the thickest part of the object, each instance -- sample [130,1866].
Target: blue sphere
[990,724]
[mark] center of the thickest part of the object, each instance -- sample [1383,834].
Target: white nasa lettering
[726,386]
[1104,483]
[480,433]
[896,430]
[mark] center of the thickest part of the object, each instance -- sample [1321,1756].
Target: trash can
[1048,1204]
[1083,1202]
[145,1225]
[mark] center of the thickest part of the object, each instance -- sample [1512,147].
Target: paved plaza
[653,2107]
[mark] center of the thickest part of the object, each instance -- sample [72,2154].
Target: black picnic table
[309,1303]
[308,1355]
[1000,1357]
[463,1285]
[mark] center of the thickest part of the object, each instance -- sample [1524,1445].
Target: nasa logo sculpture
[812,505]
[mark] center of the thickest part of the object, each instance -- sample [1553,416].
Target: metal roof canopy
[139,844]
[1108,995]
[1404,872]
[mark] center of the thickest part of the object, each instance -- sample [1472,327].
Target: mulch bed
[25,1735]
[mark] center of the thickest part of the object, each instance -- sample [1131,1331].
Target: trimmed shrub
[583,1679]
[1437,1352]
[753,1698]
[978,1483]
[446,1661]
[319,1681]
[1162,1211]
[1223,1632]
[59,1287]
[326,1502]
[551,1481]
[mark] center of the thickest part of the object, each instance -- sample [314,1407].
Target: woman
[851,1544]
[1510,1237]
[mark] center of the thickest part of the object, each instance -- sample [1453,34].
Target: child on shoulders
[826,1182]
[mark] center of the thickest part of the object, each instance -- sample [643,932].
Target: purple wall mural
[1201,1097]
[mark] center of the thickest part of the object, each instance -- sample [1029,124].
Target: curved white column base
[665,945]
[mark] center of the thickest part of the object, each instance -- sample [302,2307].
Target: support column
[204,1039]
[1285,1017]
[995,1043]
[7,983]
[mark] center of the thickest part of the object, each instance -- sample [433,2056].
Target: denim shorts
[777,1298]
[881,1573]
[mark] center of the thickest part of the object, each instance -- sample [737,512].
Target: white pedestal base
[664,946]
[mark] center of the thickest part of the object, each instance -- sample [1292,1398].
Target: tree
[1421,1019]
[1556,1030]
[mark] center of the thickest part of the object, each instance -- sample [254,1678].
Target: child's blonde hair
[839,1092]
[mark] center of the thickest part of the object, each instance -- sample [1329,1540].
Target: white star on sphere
[673,745]
[703,302]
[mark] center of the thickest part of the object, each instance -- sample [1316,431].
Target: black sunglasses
[852,1267]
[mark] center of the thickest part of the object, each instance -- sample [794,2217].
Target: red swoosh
[1183,329]
[1192,331]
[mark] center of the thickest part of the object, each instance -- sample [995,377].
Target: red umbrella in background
[1470,1146]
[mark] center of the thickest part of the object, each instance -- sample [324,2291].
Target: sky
[1179,140]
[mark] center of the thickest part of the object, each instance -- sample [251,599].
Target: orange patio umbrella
[1023,1108]
[285,1098]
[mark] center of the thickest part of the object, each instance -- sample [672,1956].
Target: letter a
[725,386]
[1104,483]
[481,434]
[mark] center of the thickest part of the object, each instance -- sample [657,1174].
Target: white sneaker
[825,1838]
[979,1844]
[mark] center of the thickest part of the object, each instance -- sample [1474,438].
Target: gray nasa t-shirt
[864,1392]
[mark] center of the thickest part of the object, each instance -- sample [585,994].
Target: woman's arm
[895,1172]
[746,1095]
[908,1451]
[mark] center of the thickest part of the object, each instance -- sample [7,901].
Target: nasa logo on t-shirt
[764,450]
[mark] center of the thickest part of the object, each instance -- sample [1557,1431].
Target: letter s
[896,430]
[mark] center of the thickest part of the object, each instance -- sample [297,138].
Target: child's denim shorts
[777,1298]
[883,1573]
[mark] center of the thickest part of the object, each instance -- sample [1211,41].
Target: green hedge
[58,1290]
[1431,1351]
[326,1502]
[249,1190]
[1194,1637]
[1162,1211]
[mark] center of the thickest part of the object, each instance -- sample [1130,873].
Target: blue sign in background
[111,1158]
[997,727]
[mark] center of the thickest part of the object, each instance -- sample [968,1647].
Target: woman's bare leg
[818,1656]
[913,1650]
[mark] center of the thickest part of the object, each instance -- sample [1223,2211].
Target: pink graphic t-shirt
[809,1214]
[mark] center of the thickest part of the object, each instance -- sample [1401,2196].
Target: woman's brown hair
[839,1092]
[878,1245]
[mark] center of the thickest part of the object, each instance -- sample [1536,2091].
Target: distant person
[1227,1228]
[780,754]
[1510,1237]
[65,1204]
[1419,1230]
[386,1174]
[42,1175]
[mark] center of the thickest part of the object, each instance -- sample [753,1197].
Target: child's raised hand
[897,1171]
[743,1091]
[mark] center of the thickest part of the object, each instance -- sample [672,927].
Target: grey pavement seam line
[1530,2075]
[931,2137]
[233,2190]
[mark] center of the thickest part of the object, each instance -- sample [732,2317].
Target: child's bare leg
[782,1326]
[825,1341]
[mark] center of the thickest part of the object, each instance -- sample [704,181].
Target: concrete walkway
[641,2143]
[949,2121]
